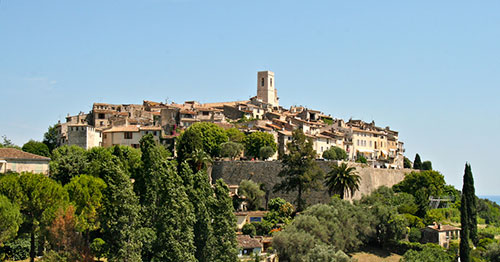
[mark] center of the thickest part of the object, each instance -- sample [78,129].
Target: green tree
[417,163]
[335,153]
[38,197]
[407,163]
[361,159]
[37,148]
[235,135]
[199,159]
[253,194]
[266,152]
[231,149]
[67,162]
[300,171]
[130,158]
[50,138]
[86,194]
[97,247]
[325,253]
[121,218]
[249,229]
[10,219]
[187,142]
[211,135]
[429,253]
[330,154]
[427,165]
[168,213]
[342,180]
[468,215]
[201,195]
[338,224]
[224,248]
[422,185]
[256,140]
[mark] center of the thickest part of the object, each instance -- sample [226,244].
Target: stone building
[15,160]
[110,124]
[266,91]
[440,234]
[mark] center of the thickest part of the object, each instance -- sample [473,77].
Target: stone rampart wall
[266,172]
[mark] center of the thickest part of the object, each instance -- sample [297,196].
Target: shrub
[361,159]
[415,234]
[266,152]
[18,249]
[249,229]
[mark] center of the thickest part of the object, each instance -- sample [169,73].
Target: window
[262,82]
[101,116]
[101,123]
[205,113]
[271,81]
[370,143]
[127,135]
[155,134]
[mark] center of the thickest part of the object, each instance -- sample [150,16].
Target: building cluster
[108,125]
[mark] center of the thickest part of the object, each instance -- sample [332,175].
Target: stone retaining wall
[266,172]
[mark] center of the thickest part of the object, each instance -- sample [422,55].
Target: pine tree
[468,215]
[417,163]
[300,171]
[224,248]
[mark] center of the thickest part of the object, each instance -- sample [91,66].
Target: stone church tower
[265,88]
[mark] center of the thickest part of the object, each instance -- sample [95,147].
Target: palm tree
[200,159]
[342,180]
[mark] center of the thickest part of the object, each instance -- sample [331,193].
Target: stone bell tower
[265,88]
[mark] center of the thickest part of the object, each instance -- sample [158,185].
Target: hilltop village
[124,124]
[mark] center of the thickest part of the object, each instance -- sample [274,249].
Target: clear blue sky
[430,69]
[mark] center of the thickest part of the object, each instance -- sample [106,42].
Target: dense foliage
[119,203]
[37,148]
[300,171]
[257,140]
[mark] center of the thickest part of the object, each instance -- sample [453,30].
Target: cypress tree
[201,196]
[121,217]
[225,247]
[468,215]
[167,213]
[417,163]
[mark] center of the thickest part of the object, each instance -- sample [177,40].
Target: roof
[245,241]
[251,213]
[441,228]
[154,128]
[12,153]
[122,129]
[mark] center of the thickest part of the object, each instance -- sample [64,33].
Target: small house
[440,234]
[248,245]
[15,160]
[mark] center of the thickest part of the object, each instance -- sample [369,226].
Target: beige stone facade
[14,160]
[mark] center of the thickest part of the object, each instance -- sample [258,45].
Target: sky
[428,69]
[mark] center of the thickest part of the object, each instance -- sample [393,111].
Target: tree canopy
[68,162]
[422,185]
[37,148]
[254,195]
[300,171]
[256,140]
[10,219]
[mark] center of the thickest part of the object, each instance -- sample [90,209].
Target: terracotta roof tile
[245,241]
[12,153]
